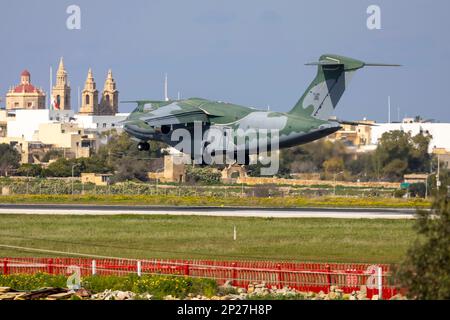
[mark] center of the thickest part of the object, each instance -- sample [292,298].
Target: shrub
[426,269]
[157,285]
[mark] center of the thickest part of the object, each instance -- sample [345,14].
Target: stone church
[25,95]
[61,91]
[109,102]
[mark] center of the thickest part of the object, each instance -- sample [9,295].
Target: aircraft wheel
[143,146]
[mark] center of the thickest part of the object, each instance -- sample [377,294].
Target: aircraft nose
[126,128]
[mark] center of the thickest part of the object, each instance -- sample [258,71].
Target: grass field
[173,200]
[189,237]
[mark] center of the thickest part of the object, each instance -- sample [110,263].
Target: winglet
[382,65]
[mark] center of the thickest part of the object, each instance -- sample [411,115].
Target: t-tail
[333,76]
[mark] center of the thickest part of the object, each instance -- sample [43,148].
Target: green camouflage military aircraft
[202,123]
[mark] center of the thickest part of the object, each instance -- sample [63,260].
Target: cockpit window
[139,108]
[148,107]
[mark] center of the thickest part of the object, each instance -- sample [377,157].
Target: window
[107,99]
[87,99]
[104,125]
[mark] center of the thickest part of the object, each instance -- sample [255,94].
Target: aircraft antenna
[166,96]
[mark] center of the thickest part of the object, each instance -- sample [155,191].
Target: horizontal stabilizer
[381,65]
[353,123]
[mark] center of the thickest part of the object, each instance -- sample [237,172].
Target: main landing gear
[143,146]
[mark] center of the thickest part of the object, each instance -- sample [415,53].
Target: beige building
[443,155]
[30,151]
[68,137]
[354,135]
[3,123]
[99,179]
[174,170]
[61,91]
[25,95]
[416,177]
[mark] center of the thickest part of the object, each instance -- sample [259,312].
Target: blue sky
[247,52]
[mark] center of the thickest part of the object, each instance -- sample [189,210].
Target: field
[190,237]
[232,201]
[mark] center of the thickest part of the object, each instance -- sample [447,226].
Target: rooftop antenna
[389,109]
[398,114]
[51,86]
[78,96]
[166,96]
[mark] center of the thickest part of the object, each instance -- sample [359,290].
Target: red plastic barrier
[309,277]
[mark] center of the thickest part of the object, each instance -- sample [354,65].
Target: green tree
[30,170]
[206,175]
[310,157]
[395,169]
[333,165]
[398,153]
[121,146]
[425,272]
[62,168]
[128,168]
[9,159]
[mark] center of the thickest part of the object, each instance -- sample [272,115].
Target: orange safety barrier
[309,277]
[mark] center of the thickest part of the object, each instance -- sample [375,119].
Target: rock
[123,295]
[241,290]
[60,296]
[398,297]
[10,295]
[82,293]
[22,296]
[4,289]
[361,296]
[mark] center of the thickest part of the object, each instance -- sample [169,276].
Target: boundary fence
[308,277]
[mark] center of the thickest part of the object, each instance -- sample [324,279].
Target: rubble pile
[225,292]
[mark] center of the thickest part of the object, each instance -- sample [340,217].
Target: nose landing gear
[143,146]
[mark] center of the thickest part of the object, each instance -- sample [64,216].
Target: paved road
[67,209]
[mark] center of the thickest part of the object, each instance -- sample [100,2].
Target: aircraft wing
[353,123]
[174,114]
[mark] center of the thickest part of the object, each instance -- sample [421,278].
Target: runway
[341,213]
